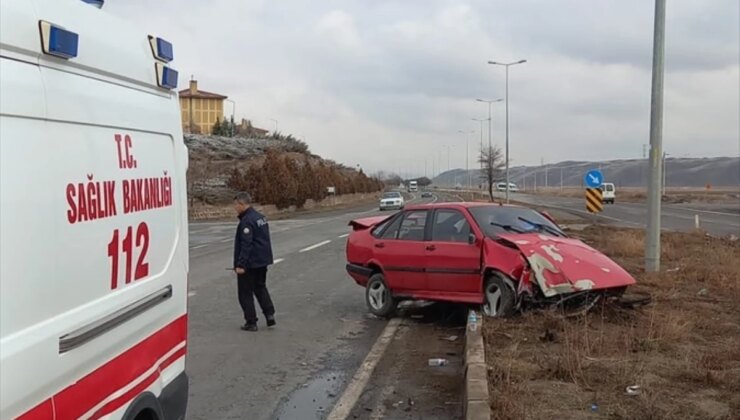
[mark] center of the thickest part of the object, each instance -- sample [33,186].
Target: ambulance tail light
[96,3]
[166,77]
[161,49]
[58,41]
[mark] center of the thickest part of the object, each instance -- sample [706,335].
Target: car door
[400,250]
[452,261]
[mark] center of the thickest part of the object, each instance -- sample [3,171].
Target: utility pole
[561,178]
[652,240]
[543,164]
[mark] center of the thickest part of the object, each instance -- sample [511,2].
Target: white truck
[608,193]
[93,217]
[413,186]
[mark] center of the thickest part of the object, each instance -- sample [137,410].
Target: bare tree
[492,164]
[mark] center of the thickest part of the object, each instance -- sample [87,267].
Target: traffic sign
[594,178]
[594,203]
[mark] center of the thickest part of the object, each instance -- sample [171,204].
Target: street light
[233,112]
[276,124]
[467,153]
[448,159]
[480,120]
[507,65]
[489,115]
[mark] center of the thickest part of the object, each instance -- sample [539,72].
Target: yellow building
[200,109]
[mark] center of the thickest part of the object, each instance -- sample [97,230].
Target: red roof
[185,93]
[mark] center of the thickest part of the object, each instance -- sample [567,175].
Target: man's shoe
[271,321]
[249,327]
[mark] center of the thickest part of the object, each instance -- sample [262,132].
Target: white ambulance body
[93,218]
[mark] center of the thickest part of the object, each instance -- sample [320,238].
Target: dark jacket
[252,247]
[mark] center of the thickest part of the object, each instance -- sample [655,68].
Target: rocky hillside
[273,169]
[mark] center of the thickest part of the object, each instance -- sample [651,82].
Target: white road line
[359,381]
[314,246]
[278,261]
[223,241]
[343,236]
[192,293]
[199,246]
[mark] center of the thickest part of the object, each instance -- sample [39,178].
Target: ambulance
[93,217]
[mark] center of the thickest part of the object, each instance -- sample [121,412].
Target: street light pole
[507,65]
[489,116]
[652,240]
[276,124]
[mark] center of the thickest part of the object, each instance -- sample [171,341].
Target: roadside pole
[652,240]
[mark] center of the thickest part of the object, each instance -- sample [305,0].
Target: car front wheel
[378,297]
[499,297]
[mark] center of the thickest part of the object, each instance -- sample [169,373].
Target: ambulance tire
[145,407]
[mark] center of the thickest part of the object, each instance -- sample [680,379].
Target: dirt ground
[403,385]
[673,195]
[682,350]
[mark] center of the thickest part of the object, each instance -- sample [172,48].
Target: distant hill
[680,172]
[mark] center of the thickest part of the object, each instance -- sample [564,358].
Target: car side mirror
[472,239]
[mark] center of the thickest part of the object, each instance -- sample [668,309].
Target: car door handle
[380,245]
[431,247]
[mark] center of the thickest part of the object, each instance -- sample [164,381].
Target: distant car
[503,257]
[426,194]
[501,186]
[608,193]
[391,201]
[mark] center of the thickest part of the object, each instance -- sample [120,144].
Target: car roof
[457,205]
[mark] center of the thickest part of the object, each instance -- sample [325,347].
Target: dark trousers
[253,284]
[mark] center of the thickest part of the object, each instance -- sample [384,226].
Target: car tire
[499,297]
[378,297]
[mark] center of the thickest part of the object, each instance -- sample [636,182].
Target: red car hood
[565,265]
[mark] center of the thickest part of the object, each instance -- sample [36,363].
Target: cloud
[388,84]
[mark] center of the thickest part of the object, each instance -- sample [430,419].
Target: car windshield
[494,220]
[392,195]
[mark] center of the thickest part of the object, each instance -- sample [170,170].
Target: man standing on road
[252,255]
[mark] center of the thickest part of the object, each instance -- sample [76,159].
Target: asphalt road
[724,220]
[297,370]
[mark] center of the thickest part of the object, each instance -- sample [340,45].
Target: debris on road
[673,270]
[451,338]
[632,390]
[437,362]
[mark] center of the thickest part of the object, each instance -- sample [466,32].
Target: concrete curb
[475,401]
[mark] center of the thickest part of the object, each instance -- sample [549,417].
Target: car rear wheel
[499,297]
[378,296]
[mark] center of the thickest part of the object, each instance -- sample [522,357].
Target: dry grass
[683,349]
[673,195]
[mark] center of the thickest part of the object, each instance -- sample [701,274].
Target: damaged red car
[504,258]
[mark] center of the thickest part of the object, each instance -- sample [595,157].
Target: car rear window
[413,225]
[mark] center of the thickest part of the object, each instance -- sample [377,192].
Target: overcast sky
[388,84]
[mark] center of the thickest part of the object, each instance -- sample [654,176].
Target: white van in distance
[608,193]
[93,217]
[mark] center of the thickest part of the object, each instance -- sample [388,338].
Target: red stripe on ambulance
[82,396]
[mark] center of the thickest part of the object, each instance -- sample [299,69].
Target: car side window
[413,226]
[450,226]
[391,232]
